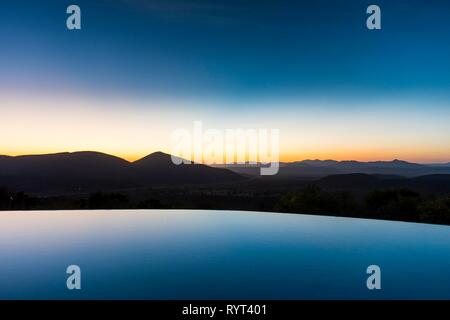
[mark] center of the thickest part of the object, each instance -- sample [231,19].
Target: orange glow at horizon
[134,129]
[288,157]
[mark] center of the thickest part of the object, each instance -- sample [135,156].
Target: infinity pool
[191,254]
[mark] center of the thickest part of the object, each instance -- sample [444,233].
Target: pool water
[207,254]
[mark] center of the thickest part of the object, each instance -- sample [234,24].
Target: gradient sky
[140,69]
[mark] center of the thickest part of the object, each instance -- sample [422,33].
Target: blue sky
[229,48]
[229,52]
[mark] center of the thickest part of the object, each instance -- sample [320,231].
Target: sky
[138,70]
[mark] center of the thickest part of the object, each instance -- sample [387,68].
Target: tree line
[390,204]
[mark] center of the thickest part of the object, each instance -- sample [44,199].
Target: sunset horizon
[282,159]
[340,92]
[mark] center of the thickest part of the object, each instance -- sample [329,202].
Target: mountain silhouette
[321,168]
[159,167]
[87,171]
[356,164]
[85,162]
[434,183]
[352,180]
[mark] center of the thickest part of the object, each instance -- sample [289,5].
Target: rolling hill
[434,183]
[322,168]
[90,171]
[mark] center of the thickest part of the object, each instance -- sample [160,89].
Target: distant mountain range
[321,168]
[90,171]
[81,172]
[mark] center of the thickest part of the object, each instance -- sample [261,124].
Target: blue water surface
[206,254]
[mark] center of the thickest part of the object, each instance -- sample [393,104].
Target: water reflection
[182,254]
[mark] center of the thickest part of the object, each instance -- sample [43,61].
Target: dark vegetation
[89,180]
[401,204]
[389,204]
